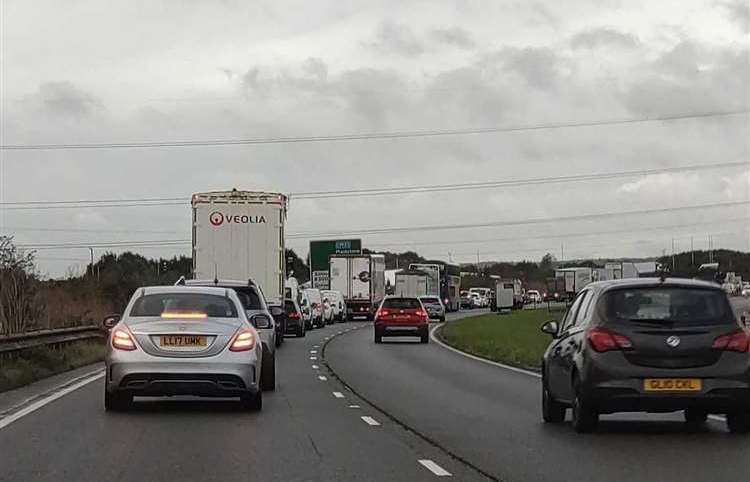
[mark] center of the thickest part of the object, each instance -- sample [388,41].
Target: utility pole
[91,250]
[562,252]
[673,263]
[692,252]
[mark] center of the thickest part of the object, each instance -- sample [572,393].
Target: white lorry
[411,283]
[432,272]
[574,279]
[361,279]
[239,235]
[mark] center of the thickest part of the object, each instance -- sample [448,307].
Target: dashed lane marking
[315,367]
[322,378]
[338,394]
[435,468]
[370,421]
[354,406]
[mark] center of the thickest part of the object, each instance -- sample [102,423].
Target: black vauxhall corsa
[648,345]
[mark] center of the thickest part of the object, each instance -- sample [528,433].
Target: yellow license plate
[183,340]
[673,384]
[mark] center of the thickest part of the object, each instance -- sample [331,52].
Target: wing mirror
[261,321]
[551,328]
[276,311]
[111,321]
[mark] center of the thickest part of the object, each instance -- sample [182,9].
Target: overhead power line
[370,135]
[520,222]
[388,191]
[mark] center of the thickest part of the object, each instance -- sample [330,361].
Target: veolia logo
[217,219]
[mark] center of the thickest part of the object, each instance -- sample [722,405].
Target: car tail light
[602,340]
[382,313]
[243,341]
[422,314]
[122,340]
[735,341]
[293,315]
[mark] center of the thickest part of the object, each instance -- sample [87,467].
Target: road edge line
[33,407]
[436,339]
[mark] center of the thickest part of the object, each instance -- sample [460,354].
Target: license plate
[183,340]
[672,384]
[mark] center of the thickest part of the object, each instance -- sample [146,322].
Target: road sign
[319,254]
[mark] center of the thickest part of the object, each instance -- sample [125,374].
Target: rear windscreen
[682,306]
[249,298]
[430,300]
[402,303]
[184,305]
[289,307]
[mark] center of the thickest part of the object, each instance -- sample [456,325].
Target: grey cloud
[315,67]
[397,38]
[250,79]
[537,66]
[65,99]
[454,36]
[739,12]
[603,37]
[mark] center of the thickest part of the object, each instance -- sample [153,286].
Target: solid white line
[4,422]
[338,394]
[435,468]
[467,355]
[322,378]
[315,367]
[371,421]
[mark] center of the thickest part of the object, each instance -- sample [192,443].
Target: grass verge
[38,363]
[513,339]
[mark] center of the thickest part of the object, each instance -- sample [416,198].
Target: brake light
[243,341]
[422,314]
[602,340]
[122,340]
[736,341]
[381,313]
[293,315]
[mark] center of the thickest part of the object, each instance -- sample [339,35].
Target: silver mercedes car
[177,340]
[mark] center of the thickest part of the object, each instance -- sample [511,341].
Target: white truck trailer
[239,235]
[575,279]
[411,284]
[361,279]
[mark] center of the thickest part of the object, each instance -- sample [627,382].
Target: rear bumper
[292,325]
[386,329]
[614,385]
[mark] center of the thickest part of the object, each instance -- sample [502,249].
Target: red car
[399,316]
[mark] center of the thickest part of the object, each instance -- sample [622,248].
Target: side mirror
[276,311]
[110,321]
[261,321]
[551,328]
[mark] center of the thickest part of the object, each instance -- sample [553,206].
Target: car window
[249,298]
[570,317]
[430,300]
[178,305]
[585,310]
[402,303]
[289,307]
[669,306]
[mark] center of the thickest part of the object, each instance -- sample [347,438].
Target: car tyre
[268,376]
[552,410]
[738,422]
[378,337]
[696,417]
[117,402]
[253,402]
[301,331]
[279,340]
[585,417]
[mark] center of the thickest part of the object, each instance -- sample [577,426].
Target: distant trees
[19,309]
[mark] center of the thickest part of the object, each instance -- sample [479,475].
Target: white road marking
[435,468]
[313,358]
[313,351]
[467,355]
[354,406]
[718,418]
[315,346]
[370,421]
[322,378]
[4,422]
[315,367]
[338,394]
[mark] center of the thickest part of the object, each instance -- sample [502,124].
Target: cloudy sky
[86,71]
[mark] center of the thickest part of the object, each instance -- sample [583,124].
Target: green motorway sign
[319,253]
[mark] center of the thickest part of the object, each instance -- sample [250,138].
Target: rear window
[669,306]
[249,298]
[289,307]
[430,300]
[184,305]
[402,303]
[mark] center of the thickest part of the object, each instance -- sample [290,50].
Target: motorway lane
[303,434]
[491,417]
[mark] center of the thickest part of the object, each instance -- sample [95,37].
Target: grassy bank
[514,339]
[40,363]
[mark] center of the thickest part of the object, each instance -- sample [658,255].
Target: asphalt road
[304,433]
[491,418]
